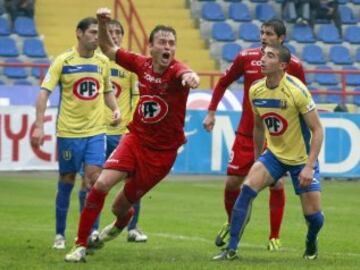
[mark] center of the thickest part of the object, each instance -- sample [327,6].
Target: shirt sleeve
[232,74]
[52,77]
[304,100]
[251,98]
[130,61]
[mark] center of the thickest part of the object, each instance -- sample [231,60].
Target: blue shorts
[277,169]
[73,153]
[111,142]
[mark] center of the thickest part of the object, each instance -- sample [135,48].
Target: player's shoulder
[101,57]
[68,54]
[297,86]
[257,86]
[295,61]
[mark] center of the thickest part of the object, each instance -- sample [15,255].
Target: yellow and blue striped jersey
[127,96]
[83,82]
[282,110]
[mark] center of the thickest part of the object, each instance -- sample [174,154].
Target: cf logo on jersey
[275,123]
[116,88]
[255,63]
[152,109]
[86,88]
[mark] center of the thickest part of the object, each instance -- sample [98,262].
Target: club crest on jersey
[152,109]
[116,88]
[275,123]
[86,88]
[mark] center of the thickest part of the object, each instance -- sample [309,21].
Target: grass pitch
[181,219]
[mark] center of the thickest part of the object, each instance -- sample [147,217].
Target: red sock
[121,223]
[93,205]
[230,197]
[276,205]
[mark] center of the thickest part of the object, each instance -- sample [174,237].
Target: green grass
[181,218]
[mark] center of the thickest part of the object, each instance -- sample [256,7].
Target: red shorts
[242,156]
[146,166]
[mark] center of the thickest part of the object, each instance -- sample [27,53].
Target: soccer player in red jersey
[146,154]
[248,64]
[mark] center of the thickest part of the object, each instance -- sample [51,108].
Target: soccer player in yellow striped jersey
[127,96]
[286,115]
[83,75]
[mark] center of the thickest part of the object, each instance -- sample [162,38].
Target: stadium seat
[239,12]
[313,54]
[328,33]
[249,32]
[233,1]
[309,78]
[36,71]
[343,2]
[222,31]
[352,79]
[212,12]
[316,97]
[4,27]
[15,72]
[291,48]
[255,45]
[34,48]
[325,78]
[22,82]
[352,34]
[25,26]
[303,34]
[229,51]
[347,16]
[340,55]
[8,47]
[333,98]
[259,1]
[264,12]
[357,55]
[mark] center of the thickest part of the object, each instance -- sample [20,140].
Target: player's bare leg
[311,204]
[276,207]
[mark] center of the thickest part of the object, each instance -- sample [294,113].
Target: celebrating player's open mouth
[165,57]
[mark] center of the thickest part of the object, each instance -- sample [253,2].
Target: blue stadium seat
[8,47]
[22,82]
[259,1]
[325,78]
[340,55]
[234,1]
[333,98]
[357,55]
[264,12]
[15,72]
[309,78]
[34,48]
[303,34]
[25,26]
[352,79]
[249,32]
[222,31]
[239,12]
[352,34]
[4,27]
[313,54]
[291,48]
[229,51]
[347,16]
[212,12]
[36,71]
[255,45]
[328,33]
[316,97]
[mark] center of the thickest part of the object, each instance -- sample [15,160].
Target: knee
[68,178]
[233,182]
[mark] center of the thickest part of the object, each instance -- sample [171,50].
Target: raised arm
[312,120]
[106,43]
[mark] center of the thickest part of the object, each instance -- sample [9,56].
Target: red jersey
[248,64]
[160,113]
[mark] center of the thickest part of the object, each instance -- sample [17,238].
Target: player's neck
[83,52]
[158,68]
[273,80]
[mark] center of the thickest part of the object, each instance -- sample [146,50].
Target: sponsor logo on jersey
[152,109]
[116,88]
[86,88]
[151,78]
[256,63]
[275,123]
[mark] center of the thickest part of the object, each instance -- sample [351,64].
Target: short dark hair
[84,24]
[284,52]
[278,26]
[116,22]
[159,28]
